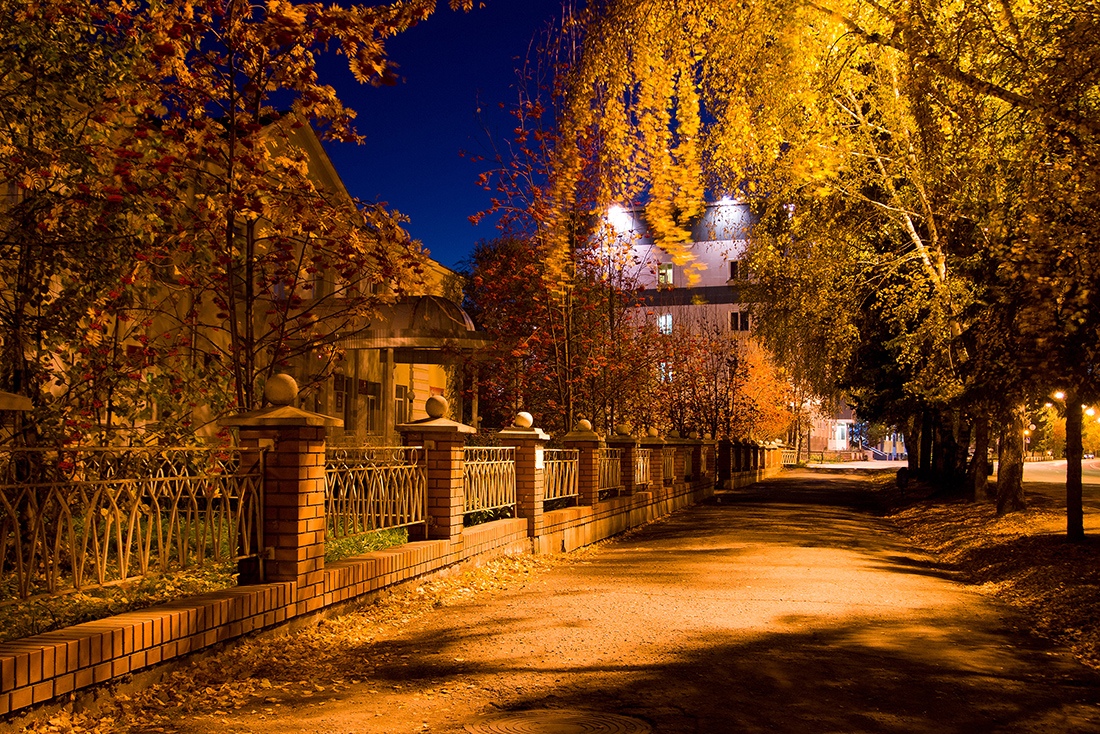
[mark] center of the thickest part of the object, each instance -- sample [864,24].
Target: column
[588,443]
[444,445]
[530,444]
[294,492]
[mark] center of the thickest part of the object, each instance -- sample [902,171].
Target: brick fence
[291,579]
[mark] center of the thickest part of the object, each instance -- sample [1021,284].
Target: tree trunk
[958,459]
[1075,522]
[944,450]
[912,444]
[926,430]
[978,472]
[1010,473]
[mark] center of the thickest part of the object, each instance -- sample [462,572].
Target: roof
[420,328]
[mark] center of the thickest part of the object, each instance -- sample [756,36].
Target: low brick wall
[575,527]
[40,668]
[299,583]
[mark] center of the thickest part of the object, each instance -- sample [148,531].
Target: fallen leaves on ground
[25,617]
[1022,558]
[277,668]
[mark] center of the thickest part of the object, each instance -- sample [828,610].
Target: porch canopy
[11,401]
[420,330]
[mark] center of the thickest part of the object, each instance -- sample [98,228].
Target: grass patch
[337,549]
[44,613]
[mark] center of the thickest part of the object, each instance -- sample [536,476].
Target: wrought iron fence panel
[490,477]
[610,469]
[371,488]
[641,466]
[560,473]
[668,462]
[72,518]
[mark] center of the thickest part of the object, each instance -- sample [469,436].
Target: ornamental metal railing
[560,473]
[370,488]
[641,467]
[74,518]
[610,469]
[490,478]
[790,457]
[668,463]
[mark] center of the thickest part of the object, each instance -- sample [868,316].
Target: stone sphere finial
[693,434]
[523,420]
[584,425]
[281,389]
[653,432]
[436,406]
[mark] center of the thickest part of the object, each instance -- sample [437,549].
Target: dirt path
[788,608]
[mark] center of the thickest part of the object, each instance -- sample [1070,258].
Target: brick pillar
[698,469]
[656,445]
[628,447]
[530,445]
[710,459]
[588,443]
[444,445]
[294,492]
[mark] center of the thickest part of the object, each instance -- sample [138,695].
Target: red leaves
[164,163]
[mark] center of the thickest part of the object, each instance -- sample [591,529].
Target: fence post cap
[519,433]
[281,389]
[436,407]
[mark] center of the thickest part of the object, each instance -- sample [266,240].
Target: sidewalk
[783,608]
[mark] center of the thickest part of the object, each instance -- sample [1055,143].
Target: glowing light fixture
[1059,395]
[620,219]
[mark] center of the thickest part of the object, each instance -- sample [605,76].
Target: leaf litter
[1022,559]
[265,672]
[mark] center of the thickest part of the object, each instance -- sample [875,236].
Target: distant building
[719,246]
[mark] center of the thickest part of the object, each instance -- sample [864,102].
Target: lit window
[664,274]
[664,323]
[664,372]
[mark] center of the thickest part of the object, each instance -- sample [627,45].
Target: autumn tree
[894,155]
[565,343]
[72,219]
[173,233]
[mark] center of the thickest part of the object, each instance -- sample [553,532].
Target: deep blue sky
[450,65]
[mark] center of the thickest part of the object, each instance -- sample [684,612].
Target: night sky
[451,65]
